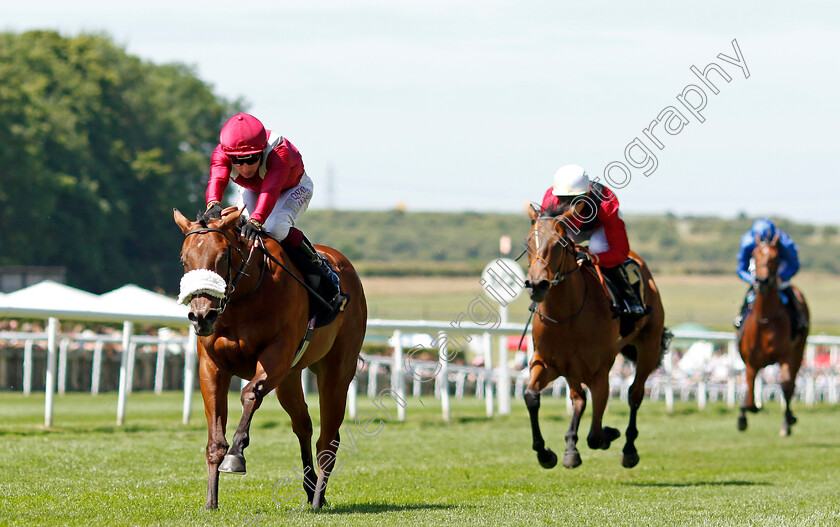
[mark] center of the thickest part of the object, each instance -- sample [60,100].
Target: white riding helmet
[570,180]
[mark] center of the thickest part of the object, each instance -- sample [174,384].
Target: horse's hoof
[608,435]
[318,502]
[742,423]
[233,465]
[547,458]
[785,431]
[571,459]
[629,460]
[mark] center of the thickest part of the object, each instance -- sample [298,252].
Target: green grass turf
[695,468]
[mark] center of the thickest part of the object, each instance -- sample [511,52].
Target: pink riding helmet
[242,134]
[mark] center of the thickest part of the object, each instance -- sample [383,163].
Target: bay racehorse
[766,335]
[577,335]
[251,316]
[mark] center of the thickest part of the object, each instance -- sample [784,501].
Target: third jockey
[599,222]
[764,230]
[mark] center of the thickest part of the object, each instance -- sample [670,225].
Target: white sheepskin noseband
[200,281]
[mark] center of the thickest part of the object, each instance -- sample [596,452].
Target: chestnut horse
[766,334]
[577,335]
[254,331]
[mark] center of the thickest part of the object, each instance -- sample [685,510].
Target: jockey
[764,230]
[273,189]
[599,222]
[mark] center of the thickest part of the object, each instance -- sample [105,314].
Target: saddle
[616,294]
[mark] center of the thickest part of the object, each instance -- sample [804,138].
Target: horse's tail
[665,343]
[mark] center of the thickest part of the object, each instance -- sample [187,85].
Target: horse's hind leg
[600,437]
[540,377]
[646,362]
[787,378]
[334,373]
[291,397]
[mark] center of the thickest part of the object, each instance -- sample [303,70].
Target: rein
[534,309]
[268,255]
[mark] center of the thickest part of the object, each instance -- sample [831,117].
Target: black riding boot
[628,278]
[317,269]
[743,313]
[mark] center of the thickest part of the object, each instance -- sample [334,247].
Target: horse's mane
[556,210]
[203,220]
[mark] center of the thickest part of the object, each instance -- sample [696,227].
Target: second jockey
[599,222]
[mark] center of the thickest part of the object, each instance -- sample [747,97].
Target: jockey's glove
[252,229]
[214,211]
[586,256]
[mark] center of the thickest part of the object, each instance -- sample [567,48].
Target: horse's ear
[229,221]
[757,239]
[533,212]
[182,221]
[775,238]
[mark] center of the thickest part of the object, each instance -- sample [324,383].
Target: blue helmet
[764,229]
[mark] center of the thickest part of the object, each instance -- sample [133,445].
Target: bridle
[772,278]
[230,283]
[568,249]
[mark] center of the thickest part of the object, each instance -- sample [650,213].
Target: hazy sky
[472,105]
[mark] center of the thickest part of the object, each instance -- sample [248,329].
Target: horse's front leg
[541,375]
[252,397]
[214,389]
[749,404]
[571,458]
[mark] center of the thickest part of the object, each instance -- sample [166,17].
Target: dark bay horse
[251,317]
[766,335]
[577,336]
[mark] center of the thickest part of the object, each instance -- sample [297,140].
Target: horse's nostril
[543,284]
[192,317]
[211,316]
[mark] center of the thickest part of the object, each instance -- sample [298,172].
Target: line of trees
[97,147]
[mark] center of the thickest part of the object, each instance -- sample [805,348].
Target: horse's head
[210,255]
[766,258]
[551,254]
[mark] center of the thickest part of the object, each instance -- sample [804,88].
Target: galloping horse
[251,316]
[577,335]
[766,334]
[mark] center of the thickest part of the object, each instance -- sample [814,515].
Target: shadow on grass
[736,483]
[378,507]
[820,445]
[34,430]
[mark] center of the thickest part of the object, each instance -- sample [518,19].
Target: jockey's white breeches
[598,241]
[290,204]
